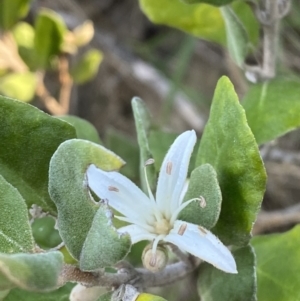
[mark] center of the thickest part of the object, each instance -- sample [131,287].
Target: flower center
[162,226]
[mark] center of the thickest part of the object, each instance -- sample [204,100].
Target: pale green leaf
[278,265]
[203,182]
[28,138]
[142,125]
[87,67]
[12,11]
[33,272]
[15,231]
[103,246]
[215,285]
[84,129]
[273,108]
[230,147]
[237,37]
[49,33]
[68,188]
[21,86]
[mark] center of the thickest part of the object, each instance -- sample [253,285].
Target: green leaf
[237,37]
[15,231]
[61,294]
[12,11]
[19,85]
[230,147]
[278,264]
[33,272]
[87,67]
[103,246]
[272,108]
[201,20]
[127,149]
[203,182]
[84,129]
[142,125]
[212,2]
[68,188]
[215,285]
[49,33]
[28,138]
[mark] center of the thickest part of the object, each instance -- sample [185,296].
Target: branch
[267,221]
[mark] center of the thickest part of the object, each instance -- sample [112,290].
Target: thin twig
[267,221]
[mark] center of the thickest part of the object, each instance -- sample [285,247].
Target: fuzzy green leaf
[68,188]
[84,129]
[15,231]
[142,125]
[230,147]
[237,37]
[12,11]
[21,86]
[278,264]
[87,67]
[49,34]
[215,285]
[61,294]
[33,272]
[272,108]
[103,246]
[203,182]
[28,138]
[201,20]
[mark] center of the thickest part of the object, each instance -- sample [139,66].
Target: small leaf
[215,285]
[278,264]
[15,231]
[28,138]
[84,33]
[68,188]
[84,129]
[103,246]
[87,67]
[33,272]
[237,37]
[272,108]
[49,33]
[12,11]
[230,147]
[61,294]
[142,125]
[21,86]
[203,183]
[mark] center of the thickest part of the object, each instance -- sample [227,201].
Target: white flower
[155,219]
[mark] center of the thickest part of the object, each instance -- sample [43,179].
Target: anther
[182,229]
[169,168]
[202,201]
[149,162]
[202,230]
[113,188]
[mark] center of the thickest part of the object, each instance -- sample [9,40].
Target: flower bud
[157,261]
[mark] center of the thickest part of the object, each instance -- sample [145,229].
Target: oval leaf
[68,188]
[229,287]
[33,272]
[15,231]
[230,147]
[103,246]
[278,264]
[28,138]
[203,183]
[272,108]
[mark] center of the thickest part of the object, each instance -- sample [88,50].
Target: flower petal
[121,194]
[136,233]
[200,242]
[173,172]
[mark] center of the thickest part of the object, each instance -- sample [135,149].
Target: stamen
[202,230]
[183,205]
[136,222]
[182,229]
[149,162]
[113,188]
[169,168]
[156,241]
